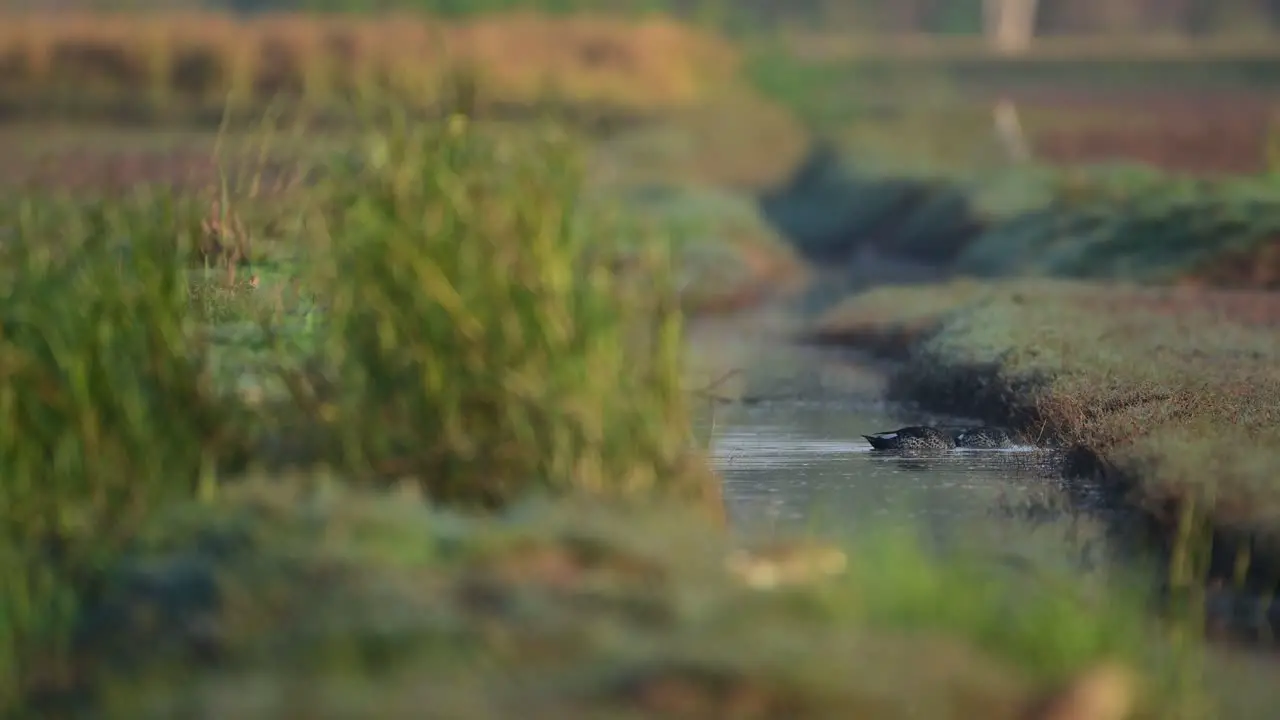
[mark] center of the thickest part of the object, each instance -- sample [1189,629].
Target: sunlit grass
[458,324]
[475,311]
[480,342]
[105,409]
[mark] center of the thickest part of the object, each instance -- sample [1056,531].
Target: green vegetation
[437,433]
[479,308]
[595,610]
[1135,225]
[1117,222]
[443,437]
[912,166]
[1175,390]
[728,256]
[469,341]
[105,410]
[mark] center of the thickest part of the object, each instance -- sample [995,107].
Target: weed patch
[581,607]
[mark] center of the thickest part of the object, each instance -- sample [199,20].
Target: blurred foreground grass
[577,608]
[444,438]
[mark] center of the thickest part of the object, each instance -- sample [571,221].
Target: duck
[984,438]
[912,438]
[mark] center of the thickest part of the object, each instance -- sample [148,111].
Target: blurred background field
[399,379]
[893,107]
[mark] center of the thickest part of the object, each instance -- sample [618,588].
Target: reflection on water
[797,462]
[791,473]
[795,467]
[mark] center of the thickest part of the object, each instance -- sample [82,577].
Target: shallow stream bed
[785,431]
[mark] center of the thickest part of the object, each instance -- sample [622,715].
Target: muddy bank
[1170,396]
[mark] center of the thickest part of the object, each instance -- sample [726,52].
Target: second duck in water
[985,438]
[912,438]
[934,438]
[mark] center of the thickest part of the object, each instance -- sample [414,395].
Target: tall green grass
[474,338]
[105,408]
[480,337]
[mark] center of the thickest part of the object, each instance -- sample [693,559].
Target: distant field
[1206,131]
[928,102]
[920,47]
[922,71]
[170,65]
[167,66]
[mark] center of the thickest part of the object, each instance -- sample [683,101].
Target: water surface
[786,436]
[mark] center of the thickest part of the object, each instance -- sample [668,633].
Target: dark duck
[912,438]
[941,438]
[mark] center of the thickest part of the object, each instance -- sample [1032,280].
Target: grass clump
[105,408]
[478,337]
[457,323]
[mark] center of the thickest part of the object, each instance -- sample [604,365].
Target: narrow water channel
[786,435]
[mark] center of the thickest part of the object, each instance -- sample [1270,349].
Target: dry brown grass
[199,60]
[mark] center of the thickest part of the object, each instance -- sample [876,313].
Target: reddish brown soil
[1209,131]
[1193,144]
[1158,102]
[96,171]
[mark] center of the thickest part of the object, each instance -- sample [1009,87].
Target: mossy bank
[1172,394]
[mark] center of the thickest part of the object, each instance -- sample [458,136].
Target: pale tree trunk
[1009,26]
